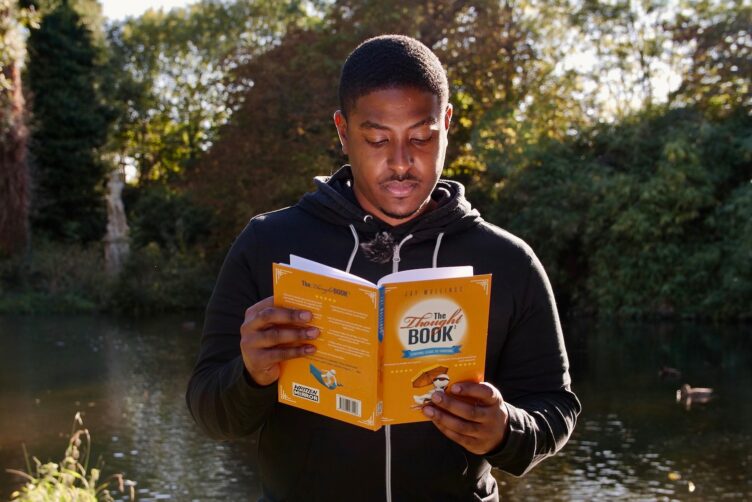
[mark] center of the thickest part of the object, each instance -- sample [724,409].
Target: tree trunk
[14,174]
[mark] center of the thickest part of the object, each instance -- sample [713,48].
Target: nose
[400,160]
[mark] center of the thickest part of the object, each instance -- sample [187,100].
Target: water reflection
[129,379]
[633,441]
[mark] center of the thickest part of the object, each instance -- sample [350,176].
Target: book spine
[381,314]
[380,381]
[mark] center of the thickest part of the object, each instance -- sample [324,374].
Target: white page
[427,274]
[319,268]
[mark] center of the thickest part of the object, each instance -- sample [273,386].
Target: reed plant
[71,480]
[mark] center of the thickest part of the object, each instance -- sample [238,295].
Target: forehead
[396,104]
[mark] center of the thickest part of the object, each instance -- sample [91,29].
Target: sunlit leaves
[648,217]
[719,67]
[174,81]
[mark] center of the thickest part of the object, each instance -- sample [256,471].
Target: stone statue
[116,244]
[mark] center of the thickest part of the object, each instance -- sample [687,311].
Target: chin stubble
[404,216]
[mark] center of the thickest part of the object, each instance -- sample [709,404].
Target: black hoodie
[304,456]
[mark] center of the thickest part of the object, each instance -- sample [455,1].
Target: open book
[384,348]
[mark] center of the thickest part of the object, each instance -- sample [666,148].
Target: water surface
[633,442]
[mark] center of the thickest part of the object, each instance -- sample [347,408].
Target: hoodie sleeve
[533,377]
[221,396]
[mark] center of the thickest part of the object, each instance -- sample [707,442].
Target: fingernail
[312,333]
[437,397]
[456,389]
[429,412]
[305,315]
[309,349]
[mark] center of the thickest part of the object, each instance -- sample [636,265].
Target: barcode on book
[348,405]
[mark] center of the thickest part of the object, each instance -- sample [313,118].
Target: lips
[400,189]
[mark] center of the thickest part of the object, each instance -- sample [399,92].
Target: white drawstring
[436,249]
[388,436]
[355,248]
[388,428]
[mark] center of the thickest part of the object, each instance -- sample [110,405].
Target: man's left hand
[471,414]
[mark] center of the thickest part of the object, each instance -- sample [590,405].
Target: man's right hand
[272,334]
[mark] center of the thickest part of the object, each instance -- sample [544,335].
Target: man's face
[396,140]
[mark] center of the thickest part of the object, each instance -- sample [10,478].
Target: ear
[340,122]
[448,116]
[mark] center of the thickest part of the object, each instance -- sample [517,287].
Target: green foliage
[71,479]
[644,217]
[170,220]
[156,281]
[71,278]
[69,126]
[733,296]
[54,277]
[628,171]
[169,77]
[12,52]
[720,62]
[545,201]
[281,135]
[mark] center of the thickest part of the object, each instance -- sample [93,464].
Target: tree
[509,91]
[718,75]
[649,216]
[69,127]
[14,176]
[628,55]
[170,78]
[282,135]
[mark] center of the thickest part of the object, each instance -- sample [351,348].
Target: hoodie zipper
[396,255]
[388,428]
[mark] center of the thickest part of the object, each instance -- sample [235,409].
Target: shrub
[71,479]
[54,277]
[648,217]
[169,219]
[154,280]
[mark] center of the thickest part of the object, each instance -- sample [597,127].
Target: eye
[377,143]
[422,140]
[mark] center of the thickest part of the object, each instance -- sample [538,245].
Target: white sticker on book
[306,392]
[348,405]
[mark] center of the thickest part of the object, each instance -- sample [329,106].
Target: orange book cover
[384,348]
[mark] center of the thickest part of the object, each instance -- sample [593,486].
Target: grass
[71,479]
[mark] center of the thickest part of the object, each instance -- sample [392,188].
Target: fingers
[467,413]
[261,355]
[473,415]
[267,326]
[270,335]
[482,393]
[261,315]
[277,335]
[471,401]
[269,357]
[468,434]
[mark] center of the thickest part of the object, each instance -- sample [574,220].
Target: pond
[633,441]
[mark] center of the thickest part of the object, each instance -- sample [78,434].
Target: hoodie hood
[335,202]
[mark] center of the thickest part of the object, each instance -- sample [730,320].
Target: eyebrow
[367,124]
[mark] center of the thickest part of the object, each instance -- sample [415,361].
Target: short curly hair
[390,61]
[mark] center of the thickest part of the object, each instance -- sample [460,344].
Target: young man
[386,211]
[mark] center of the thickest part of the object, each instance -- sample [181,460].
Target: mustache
[408,176]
